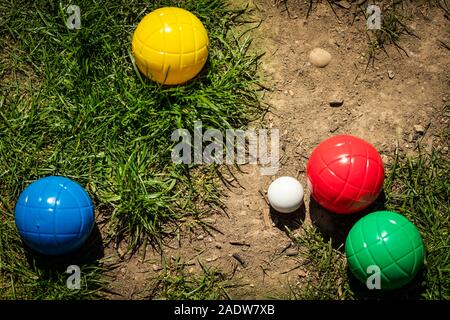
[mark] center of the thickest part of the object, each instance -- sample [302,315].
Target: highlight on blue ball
[54,215]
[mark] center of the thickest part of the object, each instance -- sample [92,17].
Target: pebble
[319,57]
[419,129]
[344,4]
[334,128]
[391,74]
[336,103]
[301,273]
[211,259]
[333,42]
[218,245]
[155,267]
[291,252]
[200,237]
[122,250]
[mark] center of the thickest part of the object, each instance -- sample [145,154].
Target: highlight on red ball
[345,174]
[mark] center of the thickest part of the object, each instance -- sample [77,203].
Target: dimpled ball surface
[391,242]
[345,174]
[54,215]
[170,45]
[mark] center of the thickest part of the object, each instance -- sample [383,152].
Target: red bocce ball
[345,174]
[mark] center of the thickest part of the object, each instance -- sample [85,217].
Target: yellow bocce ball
[170,45]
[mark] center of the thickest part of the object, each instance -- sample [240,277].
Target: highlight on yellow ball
[170,45]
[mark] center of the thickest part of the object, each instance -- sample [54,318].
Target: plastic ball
[389,241]
[285,194]
[170,45]
[345,174]
[54,215]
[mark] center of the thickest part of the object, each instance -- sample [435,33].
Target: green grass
[73,103]
[26,276]
[395,17]
[418,188]
[328,279]
[176,283]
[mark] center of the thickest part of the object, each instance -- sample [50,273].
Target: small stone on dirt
[200,237]
[122,251]
[334,128]
[218,245]
[155,267]
[238,258]
[291,252]
[239,243]
[336,103]
[319,57]
[301,273]
[211,259]
[419,129]
[344,4]
[333,42]
[391,74]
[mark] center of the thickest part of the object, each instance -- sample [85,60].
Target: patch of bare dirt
[393,104]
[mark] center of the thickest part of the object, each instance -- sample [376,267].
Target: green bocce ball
[388,243]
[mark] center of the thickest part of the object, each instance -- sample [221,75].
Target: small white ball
[285,194]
